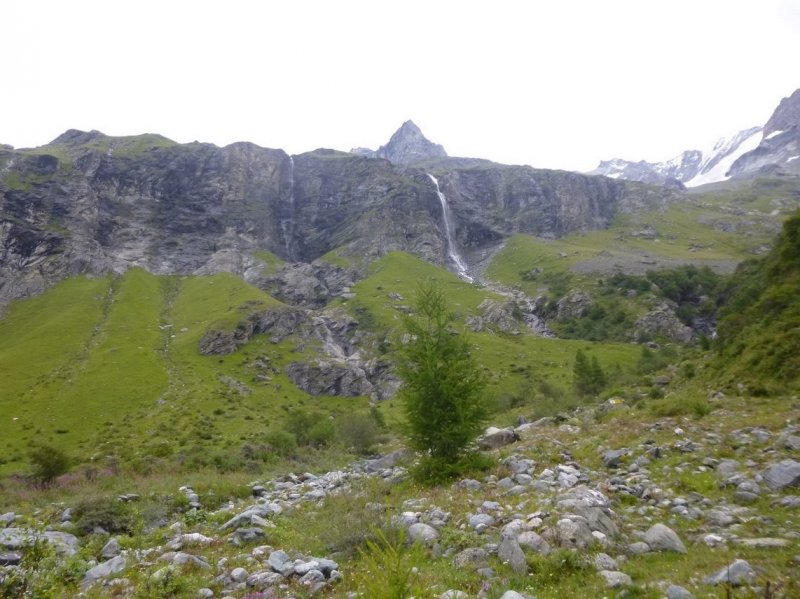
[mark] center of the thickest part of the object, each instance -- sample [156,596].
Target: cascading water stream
[287,224]
[452,251]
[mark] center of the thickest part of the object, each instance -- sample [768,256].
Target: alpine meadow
[235,372]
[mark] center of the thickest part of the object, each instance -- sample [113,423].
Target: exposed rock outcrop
[662,321]
[779,150]
[279,322]
[94,204]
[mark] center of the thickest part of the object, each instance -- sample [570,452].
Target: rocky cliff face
[779,150]
[89,203]
[786,115]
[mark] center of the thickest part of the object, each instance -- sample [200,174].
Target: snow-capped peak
[717,162]
[692,167]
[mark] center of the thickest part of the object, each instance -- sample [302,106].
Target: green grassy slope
[516,365]
[760,325]
[42,341]
[718,228]
[111,366]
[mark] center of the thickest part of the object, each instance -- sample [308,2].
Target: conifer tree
[443,386]
[588,376]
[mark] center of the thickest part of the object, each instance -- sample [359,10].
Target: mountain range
[773,148]
[184,328]
[88,203]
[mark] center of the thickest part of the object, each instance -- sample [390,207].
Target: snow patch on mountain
[692,167]
[722,158]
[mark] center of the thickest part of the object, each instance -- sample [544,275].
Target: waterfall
[287,224]
[452,251]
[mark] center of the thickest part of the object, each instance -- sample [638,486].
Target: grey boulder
[662,538]
[677,592]
[422,533]
[510,552]
[615,580]
[100,571]
[738,573]
[16,538]
[785,473]
[497,437]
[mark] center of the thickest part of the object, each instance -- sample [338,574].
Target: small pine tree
[599,379]
[588,376]
[443,387]
[582,374]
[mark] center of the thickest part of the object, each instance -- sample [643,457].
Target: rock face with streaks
[92,204]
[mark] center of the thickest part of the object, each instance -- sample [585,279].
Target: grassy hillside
[525,372]
[760,325]
[717,228]
[110,368]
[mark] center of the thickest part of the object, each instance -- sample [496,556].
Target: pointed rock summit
[408,145]
[786,115]
[779,150]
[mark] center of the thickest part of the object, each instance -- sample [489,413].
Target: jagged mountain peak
[773,148]
[779,149]
[786,115]
[409,128]
[691,167]
[407,145]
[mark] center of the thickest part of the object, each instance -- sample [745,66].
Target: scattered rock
[764,543]
[737,574]
[785,473]
[638,548]
[422,533]
[530,540]
[100,571]
[603,561]
[677,592]
[17,538]
[662,538]
[515,595]
[111,549]
[10,558]
[247,535]
[612,457]
[7,518]
[510,552]
[473,557]
[497,437]
[615,580]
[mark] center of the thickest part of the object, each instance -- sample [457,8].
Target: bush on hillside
[107,513]
[360,432]
[281,442]
[48,464]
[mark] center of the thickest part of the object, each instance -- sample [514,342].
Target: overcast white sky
[555,84]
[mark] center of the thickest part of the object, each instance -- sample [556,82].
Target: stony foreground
[603,500]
